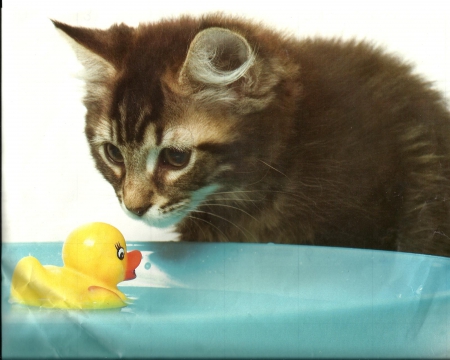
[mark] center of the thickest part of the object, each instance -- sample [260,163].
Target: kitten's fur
[234,132]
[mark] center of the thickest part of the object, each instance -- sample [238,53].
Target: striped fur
[233,132]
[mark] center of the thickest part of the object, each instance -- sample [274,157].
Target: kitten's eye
[113,153]
[175,157]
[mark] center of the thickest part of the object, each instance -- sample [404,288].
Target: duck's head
[99,250]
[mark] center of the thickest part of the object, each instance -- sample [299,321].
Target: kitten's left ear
[100,51]
[217,57]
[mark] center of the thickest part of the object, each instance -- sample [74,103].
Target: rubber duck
[95,260]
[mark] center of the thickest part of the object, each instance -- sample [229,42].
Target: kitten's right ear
[222,67]
[217,57]
[98,50]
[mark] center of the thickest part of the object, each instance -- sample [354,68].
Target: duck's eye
[174,157]
[113,153]
[120,251]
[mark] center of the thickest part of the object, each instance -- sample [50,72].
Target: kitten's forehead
[135,104]
[186,130]
[170,122]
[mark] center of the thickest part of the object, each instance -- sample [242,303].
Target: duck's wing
[101,297]
[29,283]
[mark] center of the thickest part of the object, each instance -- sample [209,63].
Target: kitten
[234,132]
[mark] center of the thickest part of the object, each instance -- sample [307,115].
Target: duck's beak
[134,258]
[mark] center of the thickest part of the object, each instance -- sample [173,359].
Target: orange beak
[134,259]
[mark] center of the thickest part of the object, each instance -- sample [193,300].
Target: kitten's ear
[98,50]
[217,57]
[222,68]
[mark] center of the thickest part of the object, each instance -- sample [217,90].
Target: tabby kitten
[233,132]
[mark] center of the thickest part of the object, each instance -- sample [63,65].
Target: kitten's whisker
[214,226]
[299,198]
[228,221]
[298,195]
[273,168]
[239,200]
[240,192]
[258,181]
[232,207]
[246,172]
[198,226]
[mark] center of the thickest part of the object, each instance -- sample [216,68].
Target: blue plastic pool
[245,300]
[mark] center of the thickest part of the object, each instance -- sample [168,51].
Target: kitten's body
[236,133]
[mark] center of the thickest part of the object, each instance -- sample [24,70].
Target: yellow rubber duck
[95,260]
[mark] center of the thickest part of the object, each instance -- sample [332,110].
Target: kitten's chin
[162,222]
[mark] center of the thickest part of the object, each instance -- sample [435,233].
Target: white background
[49,183]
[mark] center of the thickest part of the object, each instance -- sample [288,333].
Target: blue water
[245,300]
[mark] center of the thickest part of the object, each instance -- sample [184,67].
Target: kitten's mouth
[158,218]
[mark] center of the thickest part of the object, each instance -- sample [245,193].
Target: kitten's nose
[139,211]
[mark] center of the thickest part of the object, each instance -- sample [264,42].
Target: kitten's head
[178,110]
